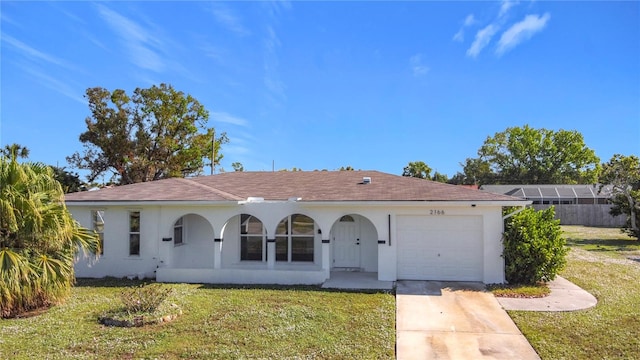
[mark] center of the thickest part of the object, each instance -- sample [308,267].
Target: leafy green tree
[622,173]
[459,179]
[15,150]
[524,155]
[534,249]
[69,181]
[346,168]
[153,134]
[237,166]
[417,169]
[38,238]
[440,177]
[477,171]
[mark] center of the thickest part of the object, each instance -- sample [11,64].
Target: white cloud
[5,19]
[459,36]
[521,31]
[469,20]
[483,37]
[56,85]
[273,83]
[136,39]
[505,6]
[34,54]
[275,8]
[228,118]
[225,17]
[417,66]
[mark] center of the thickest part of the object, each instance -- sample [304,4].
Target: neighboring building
[554,194]
[574,204]
[294,228]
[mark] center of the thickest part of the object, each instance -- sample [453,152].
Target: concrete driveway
[454,320]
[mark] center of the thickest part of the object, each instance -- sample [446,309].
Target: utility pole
[213,152]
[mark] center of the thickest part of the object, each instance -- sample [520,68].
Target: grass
[217,323]
[519,291]
[600,261]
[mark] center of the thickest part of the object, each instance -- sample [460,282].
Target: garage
[443,247]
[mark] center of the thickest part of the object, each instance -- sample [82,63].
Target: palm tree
[15,150]
[38,238]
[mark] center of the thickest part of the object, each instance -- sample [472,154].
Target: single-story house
[293,228]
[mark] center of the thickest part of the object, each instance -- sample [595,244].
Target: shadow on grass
[110,282]
[292,288]
[605,245]
[124,282]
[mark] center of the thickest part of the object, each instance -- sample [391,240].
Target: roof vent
[366,180]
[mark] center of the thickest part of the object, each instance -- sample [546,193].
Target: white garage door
[440,248]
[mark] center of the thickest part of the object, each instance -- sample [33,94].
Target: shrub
[534,249]
[144,298]
[38,238]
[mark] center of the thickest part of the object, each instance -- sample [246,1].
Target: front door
[346,243]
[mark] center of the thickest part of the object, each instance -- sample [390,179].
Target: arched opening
[244,242]
[193,244]
[295,239]
[354,244]
[253,236]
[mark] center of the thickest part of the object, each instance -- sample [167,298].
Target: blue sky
[320,85]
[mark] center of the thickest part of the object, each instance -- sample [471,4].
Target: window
[134,233]
[252,239]
[295,239]
[347,218]
[97,221]
[178,232]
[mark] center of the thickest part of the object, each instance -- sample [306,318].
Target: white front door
[346,243]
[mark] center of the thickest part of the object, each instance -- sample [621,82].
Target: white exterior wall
[219,262]
[115,260]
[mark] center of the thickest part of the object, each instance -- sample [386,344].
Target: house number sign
[436,212]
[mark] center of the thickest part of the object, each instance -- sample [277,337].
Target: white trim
[302,202]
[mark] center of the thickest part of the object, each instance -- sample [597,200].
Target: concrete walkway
[356,280]
[564,296]
[454,320]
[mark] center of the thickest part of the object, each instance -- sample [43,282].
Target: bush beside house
[534,249]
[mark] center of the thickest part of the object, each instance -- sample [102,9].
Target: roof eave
[137,203]
[402,203]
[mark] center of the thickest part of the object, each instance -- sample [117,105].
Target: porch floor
[356,280]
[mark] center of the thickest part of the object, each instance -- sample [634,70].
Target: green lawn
[309,323]
[217,323]
[601,261]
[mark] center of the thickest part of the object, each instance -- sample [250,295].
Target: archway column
[217,253]
[326,256]
[271,253]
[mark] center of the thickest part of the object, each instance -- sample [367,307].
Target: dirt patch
[136,321]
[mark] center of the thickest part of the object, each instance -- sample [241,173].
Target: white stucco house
[293,228]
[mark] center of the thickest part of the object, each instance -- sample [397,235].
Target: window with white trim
[97,224]
[252,239]
[178,232]
[134,233]
[295,239]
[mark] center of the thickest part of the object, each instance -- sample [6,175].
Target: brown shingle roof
[308,185]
